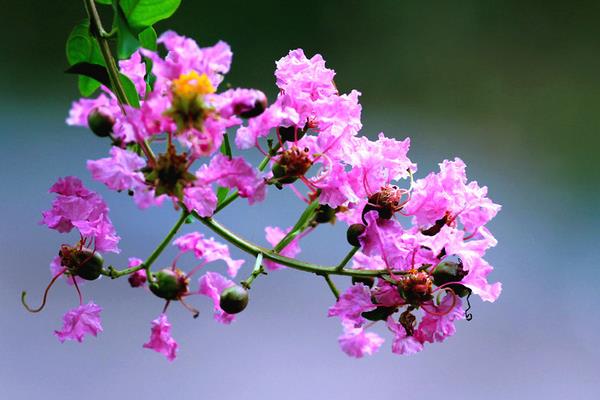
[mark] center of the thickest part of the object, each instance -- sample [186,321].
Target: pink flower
[160,338]
[352,303]
[211,285]
[76,206]
[277,114]
[184,55]
[120,171]
[239,102]
[135,69]
[208,250]
[80,321]
[447,193]
[274,236]
[234,173]
[201,199]
[357,343]
[303,77]
[80,109]
[138,278]
[403,344]
[436,326]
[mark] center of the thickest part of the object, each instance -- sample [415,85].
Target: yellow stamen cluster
[192,84]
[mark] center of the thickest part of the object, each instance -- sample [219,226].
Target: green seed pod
[169,284]
[100,123]
[280,173]
[353,232]
[85,264]
[234,299]
[448,271]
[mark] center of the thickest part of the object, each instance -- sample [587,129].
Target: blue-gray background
[512,87]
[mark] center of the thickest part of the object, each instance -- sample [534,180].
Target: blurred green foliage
[530,69]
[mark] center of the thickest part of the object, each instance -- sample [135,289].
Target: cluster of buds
[417,246]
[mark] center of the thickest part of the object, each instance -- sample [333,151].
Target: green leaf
[148,38]
[133,98]
[127,41]
[226,146]
[87,86]
[222,193]
[107,2]
[94,71]
[144,13]
[83,48]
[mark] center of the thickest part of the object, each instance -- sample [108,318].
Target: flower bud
[260,105]
[379,314]
[137,279]
[169,284]
[84,262]
[324,214]
[365,280]
[353,232]
[447,272]
[234,299]
[100,122]
[290,133]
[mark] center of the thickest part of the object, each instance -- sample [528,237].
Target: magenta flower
[76,206]
[305,78]
[403,344]
[447,195]
[234,173]
[184,56]
[352,303]
[207,250]
[160,338]
[120,171]
[201,199]
[138,278]
[80,321]
[357,343]
[211,285]
[438,323]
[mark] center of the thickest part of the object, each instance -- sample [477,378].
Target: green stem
[97,30]
[332,286]
[348,257]
[255,250]
[113,273]
[258,270]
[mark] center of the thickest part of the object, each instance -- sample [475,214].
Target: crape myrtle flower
[207,250]
[77,207]
[183,104]
[80,321]
[160,338]
[212,284]
[427,236]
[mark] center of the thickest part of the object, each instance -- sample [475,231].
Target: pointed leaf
[144,13]
[148,38]
[94,71]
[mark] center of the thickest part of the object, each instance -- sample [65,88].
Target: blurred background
[512,87]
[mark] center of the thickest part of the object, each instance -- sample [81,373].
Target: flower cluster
[417,244]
